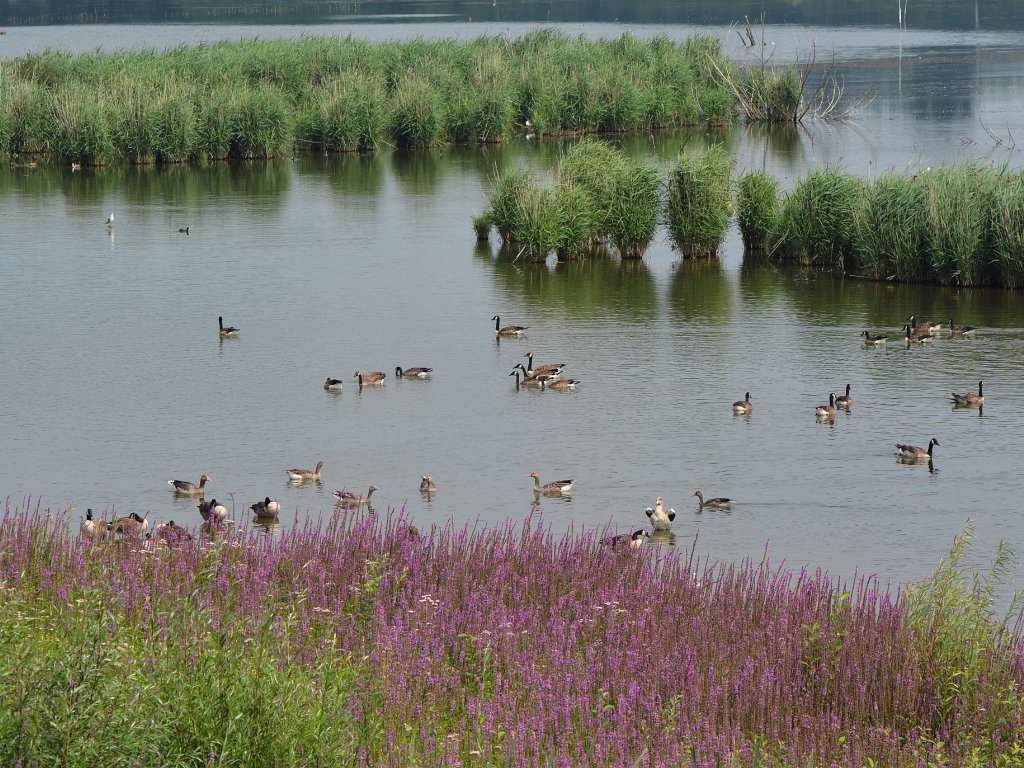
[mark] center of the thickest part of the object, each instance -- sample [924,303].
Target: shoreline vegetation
[359,640]
[265,99]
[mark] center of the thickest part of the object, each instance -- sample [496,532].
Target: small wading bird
[266,509]
[333,385]
[349,498]
[969,399]
[743,406]
[413,373]
[302,475]
[716,503]
[627,541]
[660,519]
[228,332]
[554,487]
[185,488]
[508,330]
[914,453]
[427,484]
[872,340]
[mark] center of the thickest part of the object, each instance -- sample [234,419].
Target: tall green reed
[699,203]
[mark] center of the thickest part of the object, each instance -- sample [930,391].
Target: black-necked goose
[633,540]
[333,385]
[924,327]
[542,376]
[743,406]
[827,411]
[556,486]
[960,330]
[845,401]
[266,509]
[132,525]
[370,378]
[213,511]
[185,230]
[228,331]
[535,383]
[302,475]
[508,330]
[94,528]
[969,399]
[916,337]
[719,502]
[185,488]
[661,519]
[872,339]
[427,484]
[914,452]
[547,368]
[560,385]
[350,498]
[171,532]
[412,373]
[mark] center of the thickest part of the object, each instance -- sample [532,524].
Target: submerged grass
[265,97]
[359,641]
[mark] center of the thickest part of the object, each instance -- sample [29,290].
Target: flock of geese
[546,376]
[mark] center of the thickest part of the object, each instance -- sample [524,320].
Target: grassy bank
[361,642]
[267,98]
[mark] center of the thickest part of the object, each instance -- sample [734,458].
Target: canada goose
[537,383]
[302,475]
[93,528]
[212,511]
[660,519]
[743,406]
[845,401]
[827,411]
[266,509]
[960,330]
[548,368]
[333,385]
[633,540]
[913,452]
[508,330]
[349,498]
[413,373]
[185,488]
[537,375]
[872,339]
[171,532]
[370,378]
[561,385]
[716,503]
[558,486]
[226,332]
[969,398]
[916,337]
[110,220]
[132,525]
[184,230]
[427,485]
[924,327]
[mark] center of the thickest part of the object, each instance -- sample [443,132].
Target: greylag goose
[968,399]
[556,486]
[412,373]
[719,502]
[845,401]
[302,475]
[427,485]
[370,378]
[508,330]
[333,385]
[93,528]
[226,332]
[871,339]
[350,498]
[660,519]
[185,488]
[743,406]
[132,525]
[914,452]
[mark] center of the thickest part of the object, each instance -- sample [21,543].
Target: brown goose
[716,503]
[743,406]
[633,540]
[413,373]
[212,511]
[350,498]
[536,383]
[969,399]
[333,385]
[370,378]
[548,368]
[845,401]
[226,332]
[132,525]
[924,327]
[427,485]
[913,452]
[185,488]
[960,330]
[537,375]
[827,411]
[171,532]
[508,330]
[916,337]
[557,486]
[93,528]
[561,385]
[303,475]
[266,509]
[872,339]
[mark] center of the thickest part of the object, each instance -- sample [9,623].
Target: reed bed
[265,98]
[757,209]
[360,641]
[699,204]
[819,217]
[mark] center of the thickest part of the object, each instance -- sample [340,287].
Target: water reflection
[358,174]
[419,171]
[700,290]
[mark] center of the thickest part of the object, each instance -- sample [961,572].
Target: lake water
[114,379]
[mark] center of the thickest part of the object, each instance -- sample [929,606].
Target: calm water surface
[114,379]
